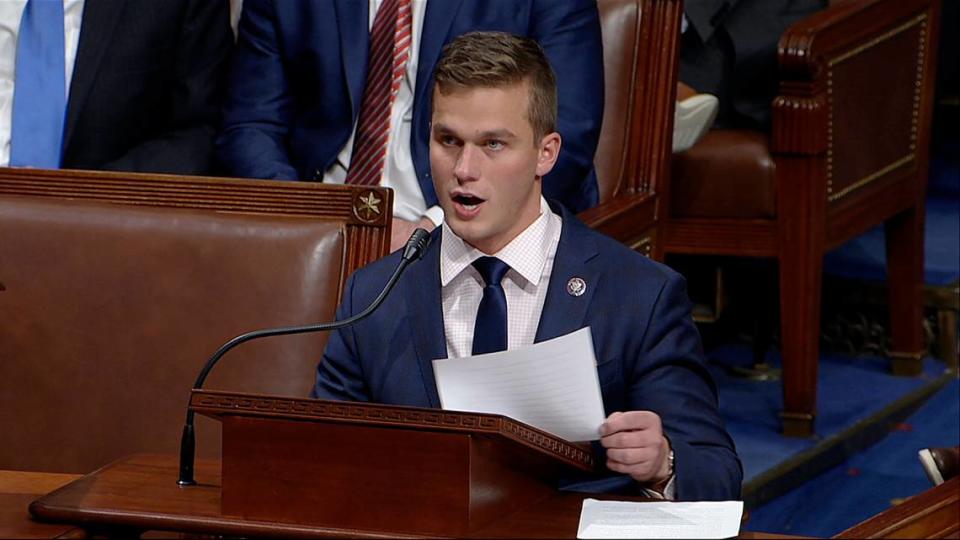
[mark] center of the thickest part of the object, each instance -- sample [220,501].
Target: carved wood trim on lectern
[213,403]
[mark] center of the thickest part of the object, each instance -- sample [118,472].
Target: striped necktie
[39,95]
[389,52]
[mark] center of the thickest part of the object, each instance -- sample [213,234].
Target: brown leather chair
[116,288]
[848,150]
[640,59]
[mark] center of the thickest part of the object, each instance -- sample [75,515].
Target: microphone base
[187,446]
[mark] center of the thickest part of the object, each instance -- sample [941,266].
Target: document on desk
[552,385]
[621,519]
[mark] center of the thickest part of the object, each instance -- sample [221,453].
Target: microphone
[413,251]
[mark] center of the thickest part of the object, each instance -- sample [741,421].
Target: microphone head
[416,245]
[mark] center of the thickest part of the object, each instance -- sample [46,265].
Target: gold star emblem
[369,206]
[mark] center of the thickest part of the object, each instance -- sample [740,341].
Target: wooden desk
[140,493]
[17,490]
[935,513]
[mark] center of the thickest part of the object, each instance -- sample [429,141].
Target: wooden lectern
[360,466]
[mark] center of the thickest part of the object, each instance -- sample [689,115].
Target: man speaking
[508,268]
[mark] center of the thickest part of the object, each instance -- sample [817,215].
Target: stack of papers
[619,519]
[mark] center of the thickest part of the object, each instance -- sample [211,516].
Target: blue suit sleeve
[569,33]
[256,118]
[339,374]
[672,380]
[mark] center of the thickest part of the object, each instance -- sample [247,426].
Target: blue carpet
[864,256]
[868,482]
[849,390]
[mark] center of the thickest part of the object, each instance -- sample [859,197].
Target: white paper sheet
[551,385]
[620,519]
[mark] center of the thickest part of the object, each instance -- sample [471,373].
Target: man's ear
[548,152]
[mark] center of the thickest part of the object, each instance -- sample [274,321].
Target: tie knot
[491,269]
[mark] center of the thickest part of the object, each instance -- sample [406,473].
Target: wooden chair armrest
[842,26]
[627,218]
[844,51]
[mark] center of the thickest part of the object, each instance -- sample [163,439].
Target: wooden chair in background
[848,150]
[640,60]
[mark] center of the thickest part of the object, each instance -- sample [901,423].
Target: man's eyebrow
[498,134]
[490,134]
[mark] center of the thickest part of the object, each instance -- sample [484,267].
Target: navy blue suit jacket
[648,350]
[147,86]
[300,68]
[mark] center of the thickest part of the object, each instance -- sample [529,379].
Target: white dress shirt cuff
[669,492]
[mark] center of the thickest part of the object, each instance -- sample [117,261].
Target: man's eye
[494,145]
[447,140]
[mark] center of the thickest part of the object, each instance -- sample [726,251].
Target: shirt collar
[526,254]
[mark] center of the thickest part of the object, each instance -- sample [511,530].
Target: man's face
[486,165]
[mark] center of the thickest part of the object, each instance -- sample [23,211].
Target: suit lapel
[437,20]
[563,312]
[100,18]
[353,24]
[425,310]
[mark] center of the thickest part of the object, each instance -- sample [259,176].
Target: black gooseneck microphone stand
[414,249]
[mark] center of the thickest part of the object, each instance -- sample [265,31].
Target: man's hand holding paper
[636,446]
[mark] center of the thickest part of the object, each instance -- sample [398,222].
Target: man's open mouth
[467,201]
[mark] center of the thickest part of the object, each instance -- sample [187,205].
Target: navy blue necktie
[490,330]
[39,95]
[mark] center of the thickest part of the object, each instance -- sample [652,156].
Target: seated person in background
[493,139]
[692,117]
[131,86]
[311,99]
[728,63]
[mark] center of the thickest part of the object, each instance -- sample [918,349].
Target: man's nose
[467,168]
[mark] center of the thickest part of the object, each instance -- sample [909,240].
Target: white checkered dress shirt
[530,256]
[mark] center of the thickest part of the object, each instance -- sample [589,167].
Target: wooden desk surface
[935,513]
[141,492]
[17,490]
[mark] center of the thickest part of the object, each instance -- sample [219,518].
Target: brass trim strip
[877,40]
[919,355]
[871,177]
[919,19]
[644,246]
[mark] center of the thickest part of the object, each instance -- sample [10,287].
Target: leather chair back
[640,66]
[115,293]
